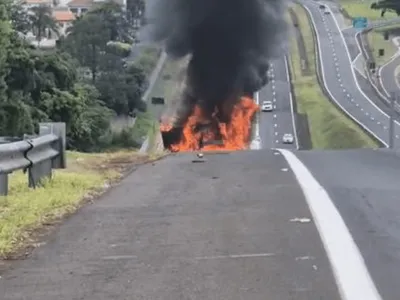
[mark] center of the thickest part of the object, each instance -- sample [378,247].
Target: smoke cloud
[230,43]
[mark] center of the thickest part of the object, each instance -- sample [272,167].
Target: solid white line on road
[351,274]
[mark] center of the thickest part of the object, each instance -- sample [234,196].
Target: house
[32,3]
[64,18]
[78,7]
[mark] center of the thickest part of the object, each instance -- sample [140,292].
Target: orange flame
[234,135]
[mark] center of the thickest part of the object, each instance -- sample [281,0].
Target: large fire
[200,132]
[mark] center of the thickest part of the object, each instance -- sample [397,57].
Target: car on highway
[327,12]
[288,138]
[266,106]
[322,6]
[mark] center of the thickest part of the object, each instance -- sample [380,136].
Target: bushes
[119,49]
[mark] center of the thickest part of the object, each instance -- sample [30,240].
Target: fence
[35,155]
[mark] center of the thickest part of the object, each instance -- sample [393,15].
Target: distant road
[273,125]
[341,79]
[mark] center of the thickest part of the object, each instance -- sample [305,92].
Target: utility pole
[393,97]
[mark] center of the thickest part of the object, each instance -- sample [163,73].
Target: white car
[266,106]
[287,138]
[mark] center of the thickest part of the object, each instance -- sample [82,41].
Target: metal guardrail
[37,156]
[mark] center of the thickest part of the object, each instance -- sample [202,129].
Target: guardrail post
[58,129]
[3,184]
[39,171]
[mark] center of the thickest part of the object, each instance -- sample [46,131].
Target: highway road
[342,81]
[273,125]
[283,225]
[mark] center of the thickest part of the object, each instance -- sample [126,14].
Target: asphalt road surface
[341,79]
[273,125]
[234,227]
[253,225]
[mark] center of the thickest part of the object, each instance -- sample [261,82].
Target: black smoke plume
[230,43]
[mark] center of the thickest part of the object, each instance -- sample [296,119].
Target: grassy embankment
[375,37]
[125,133]
[376,41]
[169,86]
[25,212]
[329,127]
[362,9]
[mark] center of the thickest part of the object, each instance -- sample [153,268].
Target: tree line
[84,82]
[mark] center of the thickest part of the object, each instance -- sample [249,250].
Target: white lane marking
[256,142]
[236,256]
[384,66]
[291,104]
[379,73]
[352,71]
[352,277]
[300,220]
[321,62]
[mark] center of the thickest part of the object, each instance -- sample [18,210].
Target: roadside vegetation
[375,37]
[86,81]
[25,211]
[377,41]
[329,127]
[363,9]
[168,85]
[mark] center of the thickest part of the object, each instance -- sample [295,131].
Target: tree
[114,19]
[387,5]
[41,19]
[122,91]
[135,11]
[87,41]
[5,31]
[19,18]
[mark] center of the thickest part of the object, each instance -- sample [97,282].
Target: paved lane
[364,187]
[273,125]
[229,228]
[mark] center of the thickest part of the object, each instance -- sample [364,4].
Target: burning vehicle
[230,43]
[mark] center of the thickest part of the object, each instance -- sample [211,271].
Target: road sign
[360,22]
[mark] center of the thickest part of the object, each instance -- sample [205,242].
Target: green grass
[167,85]
[25,210]
[329,127]
[143,124]
[377,41]
[362,9]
